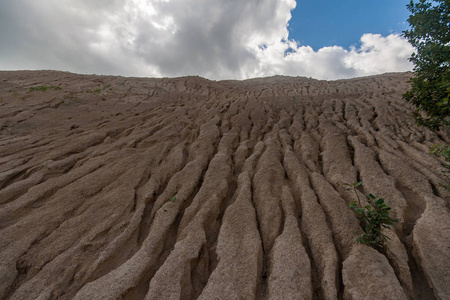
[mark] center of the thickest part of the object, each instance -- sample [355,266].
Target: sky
[215,39]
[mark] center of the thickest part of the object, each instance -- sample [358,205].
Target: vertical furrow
[315,228]
[289,265]
[239,249]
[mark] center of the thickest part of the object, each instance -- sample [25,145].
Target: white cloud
[380,54]
[214,39]
[377,54]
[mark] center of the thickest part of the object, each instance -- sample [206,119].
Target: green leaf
[380,201]
[359,211]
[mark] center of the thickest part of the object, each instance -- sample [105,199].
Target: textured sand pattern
[185,188]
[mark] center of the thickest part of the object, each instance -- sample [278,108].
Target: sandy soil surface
[185,188]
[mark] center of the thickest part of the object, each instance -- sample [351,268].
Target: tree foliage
[430,34]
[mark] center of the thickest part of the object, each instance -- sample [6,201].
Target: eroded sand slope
[126,188]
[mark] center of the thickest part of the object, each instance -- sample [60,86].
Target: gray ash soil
[185,188]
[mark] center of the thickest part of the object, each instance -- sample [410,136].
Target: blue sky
[215,39]
[320,23]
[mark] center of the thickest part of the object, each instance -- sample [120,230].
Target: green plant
[445,152]
[430,86]
[93,91]
[173,199]
[373,218]
[387,92]
[43,88]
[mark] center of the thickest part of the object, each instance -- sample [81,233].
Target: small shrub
[93,91]
[373,218]
[173,199]
[43,88]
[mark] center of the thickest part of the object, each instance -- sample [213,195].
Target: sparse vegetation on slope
[174,188]
[44,88]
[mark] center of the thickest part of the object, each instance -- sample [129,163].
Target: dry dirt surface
[185,188]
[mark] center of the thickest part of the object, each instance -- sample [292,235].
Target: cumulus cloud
[377,54]
[214,39]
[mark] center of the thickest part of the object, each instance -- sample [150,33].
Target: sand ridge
[185,188]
